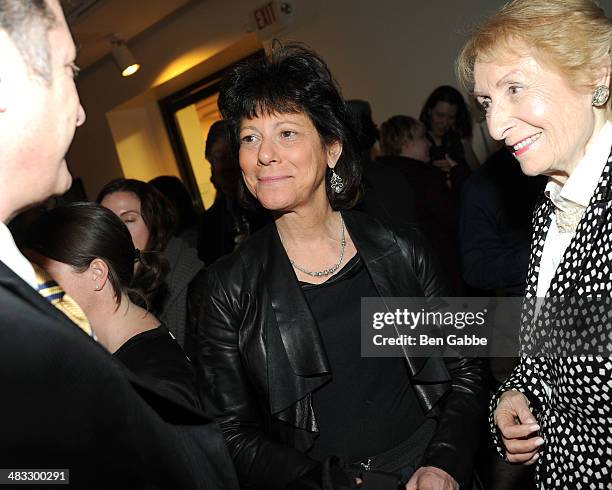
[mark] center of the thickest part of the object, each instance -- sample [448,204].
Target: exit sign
[265,16]
[270,18]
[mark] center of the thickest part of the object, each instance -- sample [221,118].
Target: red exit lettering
[265,16]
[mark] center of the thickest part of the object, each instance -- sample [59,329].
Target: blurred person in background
[495,227]
[405,148]
[230,220]
[151,220]
[447,119]
[387,195]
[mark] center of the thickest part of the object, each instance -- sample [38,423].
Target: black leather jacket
[259,355]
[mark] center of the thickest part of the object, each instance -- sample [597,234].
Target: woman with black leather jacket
[275,329]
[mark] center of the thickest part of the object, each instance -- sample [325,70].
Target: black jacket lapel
[297,362]
[388,265]
[383,259]
[295,321]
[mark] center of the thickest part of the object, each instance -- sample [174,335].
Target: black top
[156,357]
[437,211]
[451,144]
[369,406]
[388,196]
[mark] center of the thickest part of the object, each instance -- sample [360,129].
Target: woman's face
[126,205]
[442,117]
[544,121]
[284,161]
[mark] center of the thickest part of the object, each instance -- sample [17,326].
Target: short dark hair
[395,131]
[78,233]
[368,132]
[446,93]
[27,22]
[159,216]
[218,131]
[175,191]
[293,79]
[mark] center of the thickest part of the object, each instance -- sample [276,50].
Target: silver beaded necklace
[330,270]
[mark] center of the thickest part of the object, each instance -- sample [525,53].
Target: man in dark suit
[229,220]
[65,403]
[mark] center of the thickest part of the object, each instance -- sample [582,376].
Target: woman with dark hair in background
[89,252]
[150,219]
[449,129]
[278,321]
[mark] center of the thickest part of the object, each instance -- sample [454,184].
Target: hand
[431,478]
[516,424]
[445,164]
[450,161]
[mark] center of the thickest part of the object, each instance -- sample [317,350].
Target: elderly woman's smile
[524,145]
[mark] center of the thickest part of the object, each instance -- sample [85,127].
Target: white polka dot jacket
[566,368]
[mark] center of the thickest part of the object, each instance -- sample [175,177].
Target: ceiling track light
[123,57]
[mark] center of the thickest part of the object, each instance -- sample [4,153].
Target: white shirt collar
[13,259]
[581,185]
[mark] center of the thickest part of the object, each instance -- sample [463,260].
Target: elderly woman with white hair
[541,71]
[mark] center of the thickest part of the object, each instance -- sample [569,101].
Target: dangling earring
[600,96]
[336,182]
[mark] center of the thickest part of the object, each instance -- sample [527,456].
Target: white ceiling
[93,22]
